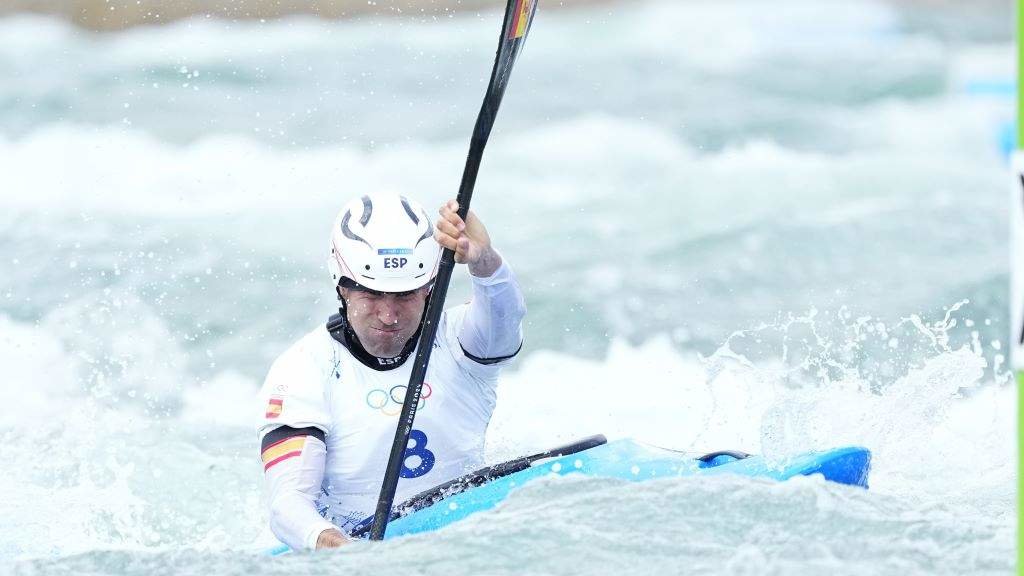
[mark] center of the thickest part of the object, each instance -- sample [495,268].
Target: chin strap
[341,331]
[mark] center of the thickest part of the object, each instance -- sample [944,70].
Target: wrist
[486,264]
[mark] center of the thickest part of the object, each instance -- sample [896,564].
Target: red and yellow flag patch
[275,406]
[283,450]
[520,18]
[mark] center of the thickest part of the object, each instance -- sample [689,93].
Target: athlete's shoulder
[293,393]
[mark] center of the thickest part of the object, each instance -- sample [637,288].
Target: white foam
[228,400]
[120,171]
[37,371]
[921,431]
[99,444]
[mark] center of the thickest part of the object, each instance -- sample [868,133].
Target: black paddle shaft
[476,478]
[518,18]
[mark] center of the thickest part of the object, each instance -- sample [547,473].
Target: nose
[387,311]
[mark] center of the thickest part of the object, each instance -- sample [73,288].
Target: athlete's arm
[293,431]
[293,463]
[492,328]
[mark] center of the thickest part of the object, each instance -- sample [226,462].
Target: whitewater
[770,228]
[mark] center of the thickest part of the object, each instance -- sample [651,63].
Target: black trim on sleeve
[285,432]
[489,361]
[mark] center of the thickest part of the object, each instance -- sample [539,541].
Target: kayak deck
[627,460]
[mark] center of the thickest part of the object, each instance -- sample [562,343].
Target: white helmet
[384,242]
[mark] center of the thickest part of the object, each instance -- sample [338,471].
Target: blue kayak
[623,459]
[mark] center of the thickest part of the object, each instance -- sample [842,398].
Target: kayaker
[332,399]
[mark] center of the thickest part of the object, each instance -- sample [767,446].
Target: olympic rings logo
[389,402]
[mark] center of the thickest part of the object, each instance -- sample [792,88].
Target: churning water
[764,226]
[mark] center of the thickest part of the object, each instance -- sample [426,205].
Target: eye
[406,296]
[368,295]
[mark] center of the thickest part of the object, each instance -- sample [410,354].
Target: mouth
[387,330]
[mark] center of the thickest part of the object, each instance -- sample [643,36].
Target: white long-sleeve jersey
[329,420]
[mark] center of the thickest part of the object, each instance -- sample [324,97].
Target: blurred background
[118,15]
[764,226]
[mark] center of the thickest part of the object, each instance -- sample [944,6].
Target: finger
[451,216]
[462,250]
[449,206]
[457,221]
[447,228]
[445,240]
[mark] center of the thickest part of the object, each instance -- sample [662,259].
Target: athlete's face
[384,322]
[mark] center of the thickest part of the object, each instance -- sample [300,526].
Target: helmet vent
[408,210]
[426,234]
[367,211]
[348,231]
